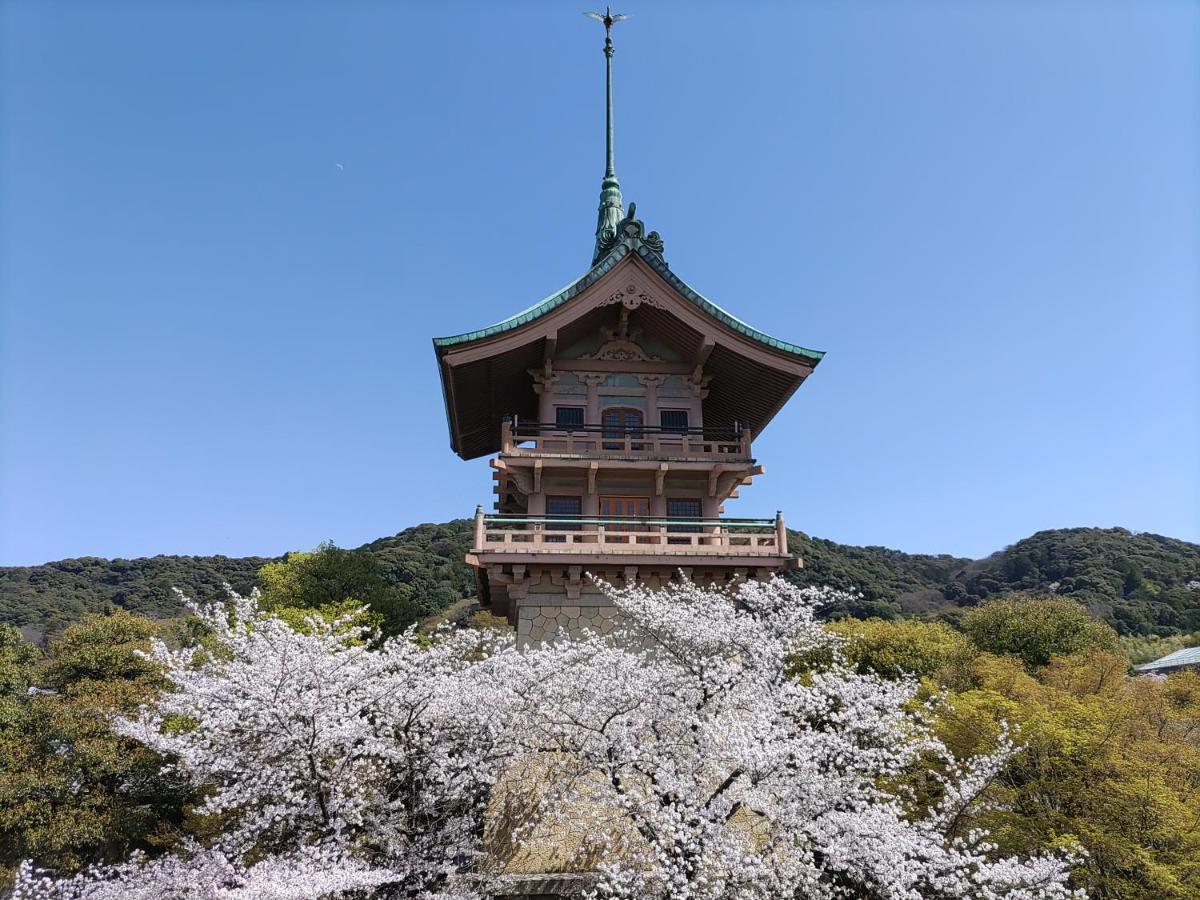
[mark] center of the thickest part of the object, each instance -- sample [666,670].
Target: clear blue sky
[217,340]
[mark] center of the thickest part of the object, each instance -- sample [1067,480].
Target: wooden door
[620,422]
[624,508]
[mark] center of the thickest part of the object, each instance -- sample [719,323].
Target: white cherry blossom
[689,755]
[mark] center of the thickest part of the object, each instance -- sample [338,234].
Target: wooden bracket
[712,480]
[701,357]
[574,582]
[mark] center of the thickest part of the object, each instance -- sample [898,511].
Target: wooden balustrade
[718,537]
[643,442]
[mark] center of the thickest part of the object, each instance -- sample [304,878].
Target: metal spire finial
[610,189]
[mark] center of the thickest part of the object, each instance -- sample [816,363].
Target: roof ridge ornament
[631,231]
[610,212]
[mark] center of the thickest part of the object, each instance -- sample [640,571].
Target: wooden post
[479,527]
[746,436]
[506,436]
[780,532]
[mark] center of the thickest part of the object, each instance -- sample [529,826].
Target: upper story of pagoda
[626,360]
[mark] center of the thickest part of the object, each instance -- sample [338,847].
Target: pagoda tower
[622,411]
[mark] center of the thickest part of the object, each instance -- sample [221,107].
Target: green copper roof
[538,309]
[656,262]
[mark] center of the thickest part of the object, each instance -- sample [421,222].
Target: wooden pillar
[478,539]
[543,385]
[651,383]
[711,509]
[592,414]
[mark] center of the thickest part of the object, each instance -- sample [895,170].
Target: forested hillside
[425,562]
[47,598]
[1140,583]
[891,583]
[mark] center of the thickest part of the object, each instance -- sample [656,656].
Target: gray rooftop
[1189,656]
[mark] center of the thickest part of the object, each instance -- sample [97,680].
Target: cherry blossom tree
[699,764]
[691,755]
[334,766]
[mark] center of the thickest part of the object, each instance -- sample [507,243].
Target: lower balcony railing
[580,534]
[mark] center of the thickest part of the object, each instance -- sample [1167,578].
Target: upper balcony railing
[518,438]
[600,536]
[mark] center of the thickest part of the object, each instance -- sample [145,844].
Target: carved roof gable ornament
[621,342]
[631,297]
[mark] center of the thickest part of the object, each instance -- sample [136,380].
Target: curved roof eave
[605,265]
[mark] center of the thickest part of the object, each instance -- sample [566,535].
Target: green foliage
[903,646]
[1037,628]
[71,790]
[890,583]
[351,612]
[1141,584]
[330,582]
[45,599]
[1106,761]
[426,563]
[423,565]
[16,669]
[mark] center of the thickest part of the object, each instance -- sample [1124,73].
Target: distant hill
[1141,583]
[426,560]
[46,598]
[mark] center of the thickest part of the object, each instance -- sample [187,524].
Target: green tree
[72,791]
[903,646]
[1107,762]
[16,671]
[1036,628]
[329,581]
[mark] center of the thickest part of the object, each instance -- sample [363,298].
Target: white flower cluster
[693,759]
[336,765]
[726,775]
[212,875]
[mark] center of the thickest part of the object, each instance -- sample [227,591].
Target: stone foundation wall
[544,602]
[537,622]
